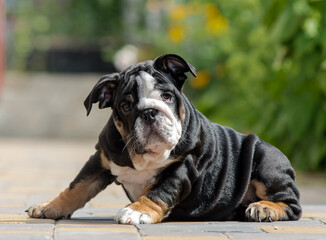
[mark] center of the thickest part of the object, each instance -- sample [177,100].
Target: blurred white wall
[49,106]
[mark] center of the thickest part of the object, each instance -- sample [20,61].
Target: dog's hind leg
[273,187]
[92,179]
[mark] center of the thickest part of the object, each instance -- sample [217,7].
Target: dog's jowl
[171,161]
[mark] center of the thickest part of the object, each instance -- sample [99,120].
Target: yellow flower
[217,25]
[176,33]
[216,22]
[211,11]
[178,12]
[203,78]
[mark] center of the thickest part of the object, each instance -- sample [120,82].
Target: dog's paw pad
[47,210]
[129,216]
[264,211]
[36,211]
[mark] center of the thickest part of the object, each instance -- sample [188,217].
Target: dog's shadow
[97,220]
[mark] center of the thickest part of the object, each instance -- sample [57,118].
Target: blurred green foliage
[266,73]
[40,25]
[261,64]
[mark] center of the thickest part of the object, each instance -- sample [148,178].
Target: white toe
[129,216]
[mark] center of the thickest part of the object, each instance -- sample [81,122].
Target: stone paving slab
[276,236]
[195,229]
[32,171]
[185,237]
[94,231]
[26,231]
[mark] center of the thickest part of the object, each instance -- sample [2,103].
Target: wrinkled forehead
[137,82]
[143,80]
[146,84]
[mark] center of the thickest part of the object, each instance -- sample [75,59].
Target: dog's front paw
[130,216]
[49,209]
[142,211]
[264,211]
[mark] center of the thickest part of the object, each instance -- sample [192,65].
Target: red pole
[2,42]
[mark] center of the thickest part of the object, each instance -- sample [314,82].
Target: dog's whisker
[128,139]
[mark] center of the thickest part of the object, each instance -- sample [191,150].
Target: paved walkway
[31,171]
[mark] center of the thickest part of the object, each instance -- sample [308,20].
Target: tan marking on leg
[260,189]
[67,202]
[156,211]
[104,161]
[267,211]
[160,207]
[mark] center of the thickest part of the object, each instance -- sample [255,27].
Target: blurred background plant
[261,64]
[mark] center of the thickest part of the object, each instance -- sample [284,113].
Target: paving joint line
[227,235]
[262,229]
[138,230]
[53,230]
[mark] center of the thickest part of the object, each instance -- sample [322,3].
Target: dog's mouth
[144,151]
[149,152]
[152,143]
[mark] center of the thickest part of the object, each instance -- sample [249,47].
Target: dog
[172,162]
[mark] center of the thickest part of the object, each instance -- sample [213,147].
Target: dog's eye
[166,97]
[125,107]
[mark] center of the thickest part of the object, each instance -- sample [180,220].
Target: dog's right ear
[176,66]
[102,92]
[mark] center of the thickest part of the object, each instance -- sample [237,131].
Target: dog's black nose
[148,115]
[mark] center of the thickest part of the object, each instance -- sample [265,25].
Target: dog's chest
[135,180]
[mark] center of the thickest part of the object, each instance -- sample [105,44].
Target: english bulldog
[172,162]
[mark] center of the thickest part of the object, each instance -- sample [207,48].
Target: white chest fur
[135,180]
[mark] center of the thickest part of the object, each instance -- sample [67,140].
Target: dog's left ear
[176,66]
[102,92]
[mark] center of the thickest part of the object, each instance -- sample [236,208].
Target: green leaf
[286,25]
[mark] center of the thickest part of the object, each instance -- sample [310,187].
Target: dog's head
[147,104]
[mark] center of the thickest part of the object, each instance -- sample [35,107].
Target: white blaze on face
[163,135]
